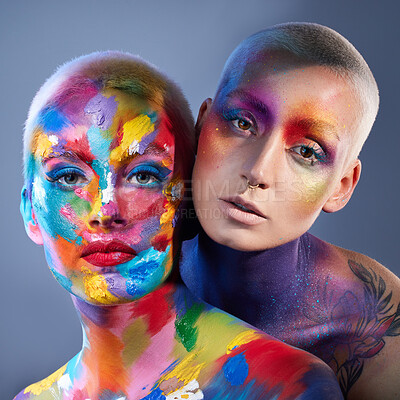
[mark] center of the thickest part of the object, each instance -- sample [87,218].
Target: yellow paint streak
[44,147]
[214,324]
[45,384]
[242,338]
[96,208]
[134,130]
[96,287]
[168,215]
[187,370]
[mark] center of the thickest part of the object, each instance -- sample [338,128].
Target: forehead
[110,124]
[280,85]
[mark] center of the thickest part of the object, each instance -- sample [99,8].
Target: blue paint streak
[99,143]
[220,389]
[62,280]
[53,120]
[320,384]
[155,395]
[74,368]
[236,370]
[144,272]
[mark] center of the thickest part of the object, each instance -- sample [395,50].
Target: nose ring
[251,187]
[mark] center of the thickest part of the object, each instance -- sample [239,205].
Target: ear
[28,215]
[344,189]
[203,112]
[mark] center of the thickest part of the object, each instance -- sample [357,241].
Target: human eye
[67,177]
[241,120]
[148,175]
[311,153]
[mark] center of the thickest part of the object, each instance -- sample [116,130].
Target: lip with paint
[107,254]
[241,211]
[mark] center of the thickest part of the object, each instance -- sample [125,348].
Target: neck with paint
[128,343]
[242,282]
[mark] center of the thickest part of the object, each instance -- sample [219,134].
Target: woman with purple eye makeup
[109,148]
[278,144]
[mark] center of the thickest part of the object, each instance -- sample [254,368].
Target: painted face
[287,130]
[104,196]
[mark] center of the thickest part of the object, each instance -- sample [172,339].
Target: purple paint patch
[22,396]
[146,140]
[102,109]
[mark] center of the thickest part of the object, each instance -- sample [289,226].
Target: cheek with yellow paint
[306,190]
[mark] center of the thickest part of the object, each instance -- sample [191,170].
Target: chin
[235,240]
[243,240]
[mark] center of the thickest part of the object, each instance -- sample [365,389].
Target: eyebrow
[251,100]
[318,126]
[315,125]
[74,155]
[151,149]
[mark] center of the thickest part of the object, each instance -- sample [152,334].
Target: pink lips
[106,254]
[241,211]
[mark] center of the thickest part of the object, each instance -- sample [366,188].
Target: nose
[109,217]
[261,162]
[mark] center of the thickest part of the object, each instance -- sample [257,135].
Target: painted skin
[104,186]
[290,129]
[287,131]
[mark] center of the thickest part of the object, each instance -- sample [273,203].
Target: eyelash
[150,171]
[234,116]
[59,174]
[319,155]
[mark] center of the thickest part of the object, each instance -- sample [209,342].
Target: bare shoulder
[362,310]
[50,387]
[383,274]
[352,270]
[256,365]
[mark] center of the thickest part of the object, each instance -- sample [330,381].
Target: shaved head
[307,44]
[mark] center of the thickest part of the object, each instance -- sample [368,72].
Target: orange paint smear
[105,361]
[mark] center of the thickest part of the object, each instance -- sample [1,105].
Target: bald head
[62,98]
[307,44]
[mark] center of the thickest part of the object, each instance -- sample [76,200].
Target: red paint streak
[78,147]
[120,135]
[156,309]
[160,242]
[276,364]
[164,136]
[296,131]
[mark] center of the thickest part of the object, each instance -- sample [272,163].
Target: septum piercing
[251,187]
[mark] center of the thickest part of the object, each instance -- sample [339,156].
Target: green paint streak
[186,331]
[136,340]
[80,206]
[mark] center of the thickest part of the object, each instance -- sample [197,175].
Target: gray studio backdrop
[189,40]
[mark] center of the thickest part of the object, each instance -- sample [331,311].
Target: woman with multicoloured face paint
[108,148]
[278,144]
